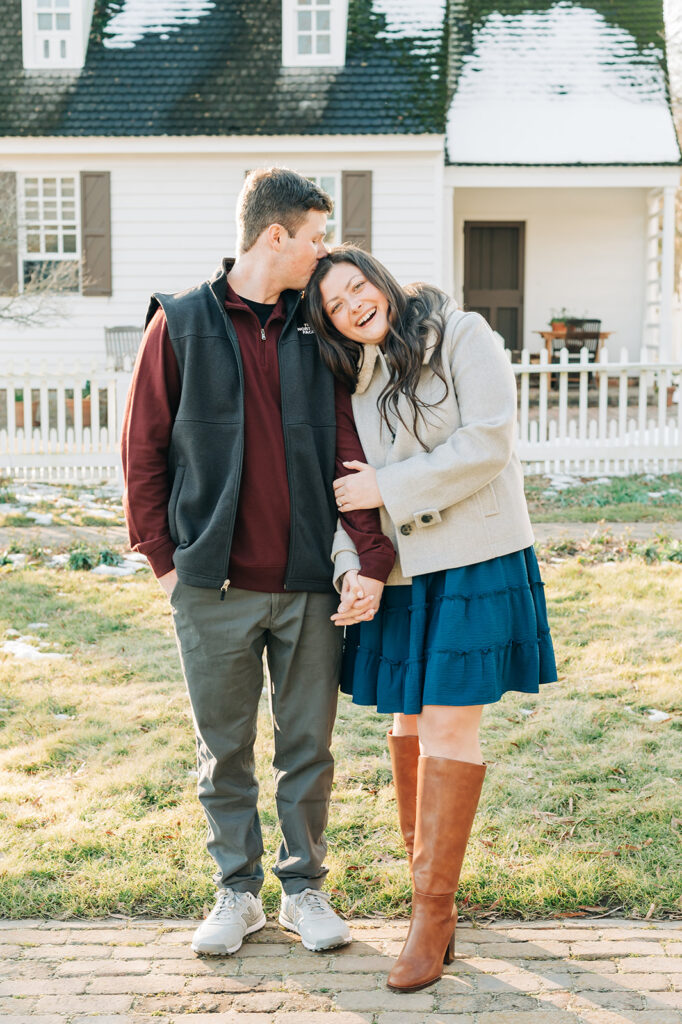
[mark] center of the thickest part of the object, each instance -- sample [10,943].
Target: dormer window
[314,33]
[55,33]
[54,30]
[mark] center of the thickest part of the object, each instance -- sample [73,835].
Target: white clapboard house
[522,155]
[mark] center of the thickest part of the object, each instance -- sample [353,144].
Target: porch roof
[560,83]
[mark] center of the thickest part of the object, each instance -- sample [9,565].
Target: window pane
[62,48]
[305,21]
[68,187]
[46,48]
[63,4]
[44,4]
[63,22]
[31,186]
[33,242]
[49,186]
[322,22]
[44,22]
[328,184]
[324,44]
[305,3]
[50,211]
[32,210]
[68,211]
[51,243]
[69,243]
[305,45]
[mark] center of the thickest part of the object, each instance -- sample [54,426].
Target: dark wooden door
[493,276]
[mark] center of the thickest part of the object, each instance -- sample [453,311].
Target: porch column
[667,273]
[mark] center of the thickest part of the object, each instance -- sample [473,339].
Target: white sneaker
[235,915]
[309,914]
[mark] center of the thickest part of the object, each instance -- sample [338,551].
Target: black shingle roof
[220,73]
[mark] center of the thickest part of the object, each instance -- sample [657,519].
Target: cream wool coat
[462,500]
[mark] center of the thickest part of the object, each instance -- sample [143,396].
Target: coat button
[406,529]
[427,519]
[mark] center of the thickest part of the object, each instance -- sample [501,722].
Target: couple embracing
[312,450]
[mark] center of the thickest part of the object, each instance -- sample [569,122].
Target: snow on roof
[560,86]
[138,18]
[403,18]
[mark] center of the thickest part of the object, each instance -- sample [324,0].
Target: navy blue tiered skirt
[456,637]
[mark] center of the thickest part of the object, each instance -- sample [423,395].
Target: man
[234,431]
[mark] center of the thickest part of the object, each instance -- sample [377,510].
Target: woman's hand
[360,599]
[359,490]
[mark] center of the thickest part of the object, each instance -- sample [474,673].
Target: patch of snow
[40,518]
[127,568]
[654,715]
[136,556]
[138,18]
[561,86]
[100,511]
[10,509]
[17,559]
[403,18]
[26,652]
[38,625]
[57,561]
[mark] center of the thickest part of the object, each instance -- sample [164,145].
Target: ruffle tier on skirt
[456,637]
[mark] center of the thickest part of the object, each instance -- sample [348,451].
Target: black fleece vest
[207,440]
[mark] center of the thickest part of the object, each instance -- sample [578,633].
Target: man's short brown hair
[276,195]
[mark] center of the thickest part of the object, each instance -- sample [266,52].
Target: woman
[463,617]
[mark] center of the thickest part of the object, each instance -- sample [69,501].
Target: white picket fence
[62,425]
[592,419]
[599,418]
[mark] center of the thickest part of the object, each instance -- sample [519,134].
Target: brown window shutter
[96,232]
[9,241]
[356,208]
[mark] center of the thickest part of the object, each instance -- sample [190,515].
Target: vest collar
[218,285]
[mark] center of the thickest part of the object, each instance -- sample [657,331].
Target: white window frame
[65,46]
[335,218]
[291,58]
[57,223]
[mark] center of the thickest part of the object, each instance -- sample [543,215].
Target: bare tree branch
[40,301]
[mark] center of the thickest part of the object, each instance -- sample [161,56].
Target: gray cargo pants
[221,647]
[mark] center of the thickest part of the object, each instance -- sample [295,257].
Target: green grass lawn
[625,499]
[581,807]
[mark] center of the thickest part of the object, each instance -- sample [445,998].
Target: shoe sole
[313,947]
[216,950]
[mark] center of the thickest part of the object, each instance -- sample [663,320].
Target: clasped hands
[360,595]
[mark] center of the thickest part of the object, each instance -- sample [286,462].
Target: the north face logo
[305,329]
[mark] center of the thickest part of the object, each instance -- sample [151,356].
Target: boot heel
[450,950]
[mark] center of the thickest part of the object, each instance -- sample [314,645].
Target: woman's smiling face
[356,307]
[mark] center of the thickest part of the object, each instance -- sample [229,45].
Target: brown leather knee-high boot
[404,751]
[447,797]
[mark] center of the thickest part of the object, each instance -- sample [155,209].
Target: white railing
[62,425]
[599,418]
[587,418]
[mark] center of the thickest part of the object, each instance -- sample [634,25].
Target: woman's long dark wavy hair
[412,311]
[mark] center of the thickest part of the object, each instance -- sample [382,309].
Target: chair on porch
[121,342]
[579,334]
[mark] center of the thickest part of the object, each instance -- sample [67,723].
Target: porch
[532,243]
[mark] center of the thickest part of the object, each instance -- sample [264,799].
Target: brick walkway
[113,972]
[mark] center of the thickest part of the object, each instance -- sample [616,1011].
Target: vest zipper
[223,589]
[262,334]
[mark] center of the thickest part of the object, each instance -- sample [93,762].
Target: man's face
[300,253]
